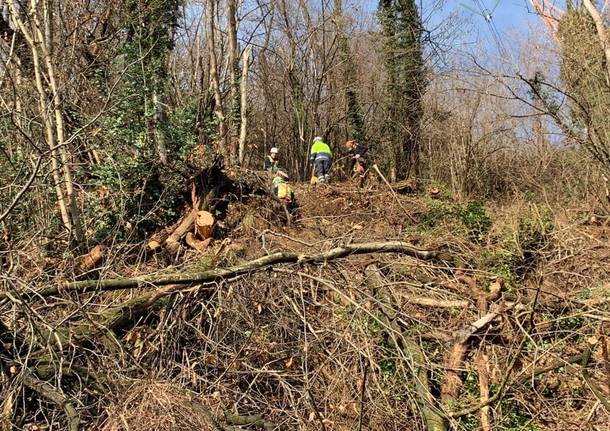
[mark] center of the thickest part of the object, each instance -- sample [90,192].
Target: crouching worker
[320,157]
[284,193]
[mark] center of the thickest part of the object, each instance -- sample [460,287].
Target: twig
[394,193]
[362,391]
[22,191]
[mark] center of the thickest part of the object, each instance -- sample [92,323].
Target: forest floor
[505,327]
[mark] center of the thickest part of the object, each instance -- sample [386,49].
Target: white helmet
[317,138]
[274,150]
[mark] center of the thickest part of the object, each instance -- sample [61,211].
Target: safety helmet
[274,150]
[317,138]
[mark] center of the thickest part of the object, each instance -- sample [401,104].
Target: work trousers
[322,169]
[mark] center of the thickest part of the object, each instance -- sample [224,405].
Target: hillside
[499,325]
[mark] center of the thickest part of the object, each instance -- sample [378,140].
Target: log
[173,241]
[156,241]
[90,260]
[482,363]
[388,315]
[196,243]
[204,225]
[453,382]
[54,395]
[182,280]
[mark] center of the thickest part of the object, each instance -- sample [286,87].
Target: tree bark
[388,315]
[39,38]
[234,75]
[54,395]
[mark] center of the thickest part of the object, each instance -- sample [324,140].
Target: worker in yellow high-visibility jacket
[321,157]
[285,193]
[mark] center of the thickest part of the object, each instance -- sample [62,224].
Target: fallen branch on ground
[54,395]
[185,280]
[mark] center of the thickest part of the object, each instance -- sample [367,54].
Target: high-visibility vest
[320,148]
[284,191]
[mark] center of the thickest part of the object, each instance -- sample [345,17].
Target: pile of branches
[363,336]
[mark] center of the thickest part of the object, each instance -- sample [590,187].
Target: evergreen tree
[140,131]
[583,67]
[405,83]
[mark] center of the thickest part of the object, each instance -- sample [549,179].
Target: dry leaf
[13,370]
[312,417]
[496,286]
[289,362]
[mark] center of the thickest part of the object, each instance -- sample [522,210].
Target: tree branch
[184,280]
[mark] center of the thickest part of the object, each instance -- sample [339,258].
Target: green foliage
[501,262]
[518,252]
[439,212]
[472,215]
[475,219]
[135,191]
[514,418]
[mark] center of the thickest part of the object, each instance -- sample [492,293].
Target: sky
[510,17]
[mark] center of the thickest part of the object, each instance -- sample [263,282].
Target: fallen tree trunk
[173,241]
[185,280]
[433,420]
[482,364]
[452,386]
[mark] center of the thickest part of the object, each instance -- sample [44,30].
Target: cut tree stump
[197,244]
[204,225]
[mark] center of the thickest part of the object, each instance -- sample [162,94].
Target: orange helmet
[349,144]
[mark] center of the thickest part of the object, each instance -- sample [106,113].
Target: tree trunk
[244,106]
[48,126]
[234,73]
[214,82]
[47,48]
[158,119]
